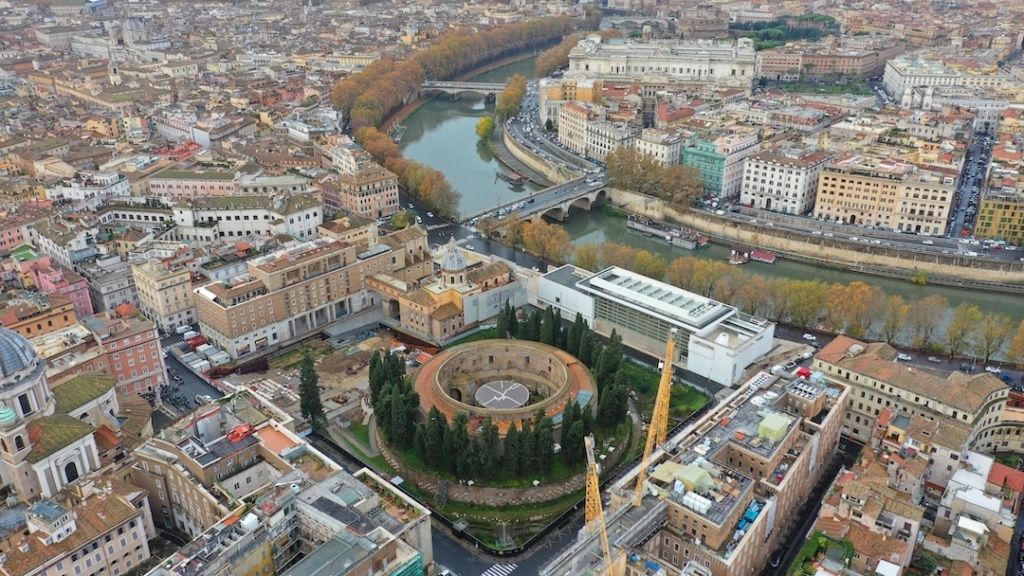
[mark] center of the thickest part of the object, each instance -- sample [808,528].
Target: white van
[190,334]
[182,329]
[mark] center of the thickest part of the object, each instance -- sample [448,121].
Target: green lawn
[485,334]
[684,401]
[361,431]
[855,87]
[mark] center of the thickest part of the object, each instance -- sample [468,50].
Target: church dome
[16,353]
[453,260]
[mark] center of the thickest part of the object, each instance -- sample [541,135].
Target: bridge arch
[581,202]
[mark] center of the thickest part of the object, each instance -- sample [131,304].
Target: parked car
[935,359]
[967,368]
[790,365]
[810,337]
[903,357]
[993,369]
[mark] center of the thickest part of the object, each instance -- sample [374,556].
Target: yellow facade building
[885,193]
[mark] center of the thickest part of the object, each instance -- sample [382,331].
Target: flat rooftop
[672,304]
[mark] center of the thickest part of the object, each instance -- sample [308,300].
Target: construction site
[712,499]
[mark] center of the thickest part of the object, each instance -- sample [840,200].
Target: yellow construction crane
[593,510]
[658,429]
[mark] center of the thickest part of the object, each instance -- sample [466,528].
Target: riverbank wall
[830,252]
[556,174]
[402,113]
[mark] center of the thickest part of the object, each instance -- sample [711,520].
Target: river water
[442,134]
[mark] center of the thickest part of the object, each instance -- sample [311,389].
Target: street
[189,387]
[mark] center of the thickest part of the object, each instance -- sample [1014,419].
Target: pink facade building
[132,344]
[50,277]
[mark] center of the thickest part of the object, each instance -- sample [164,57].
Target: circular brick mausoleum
[506,380]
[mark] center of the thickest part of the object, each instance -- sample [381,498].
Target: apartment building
[1001,216]
[132,343]
[885,193]
[724,490]
[176,183]
[719,158]
[165,293]
[67,242]
[101,528]
[370,192]
[288,294]
[34,314]
[878,382]
[603,137]
[784,180]
[111,283]
[89,190]
[213,218]
[574,120]
[356,525]
[50,277]
[663,146]
[880,523]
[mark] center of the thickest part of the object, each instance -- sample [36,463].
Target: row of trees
[381,88]
[631,169]
[393,398]
[858,309]
[449,447]
[557,56]
[426,183]
[605,361]
[511,98]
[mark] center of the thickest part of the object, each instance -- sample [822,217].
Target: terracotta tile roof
[873,545]
[94,517]
[447,310]
[878,360]
[1003,476]
[488,271]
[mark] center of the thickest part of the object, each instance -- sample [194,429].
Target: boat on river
[742,255]
[673,235]
[513,178]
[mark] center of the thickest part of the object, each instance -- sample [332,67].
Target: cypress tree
[548,327]
[309,394]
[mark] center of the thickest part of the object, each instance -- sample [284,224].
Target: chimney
[23,546]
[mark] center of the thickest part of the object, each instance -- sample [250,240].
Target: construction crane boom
[593,510]
[658,429]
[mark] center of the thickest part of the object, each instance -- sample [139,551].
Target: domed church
[46,438]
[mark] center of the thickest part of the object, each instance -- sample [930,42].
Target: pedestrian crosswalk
[500,570]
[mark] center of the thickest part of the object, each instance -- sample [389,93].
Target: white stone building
[725,64]
[783,180]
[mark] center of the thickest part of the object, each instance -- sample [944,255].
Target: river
[442,134]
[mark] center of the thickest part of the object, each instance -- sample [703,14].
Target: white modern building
[783,180]
[713,340]
[722,63]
